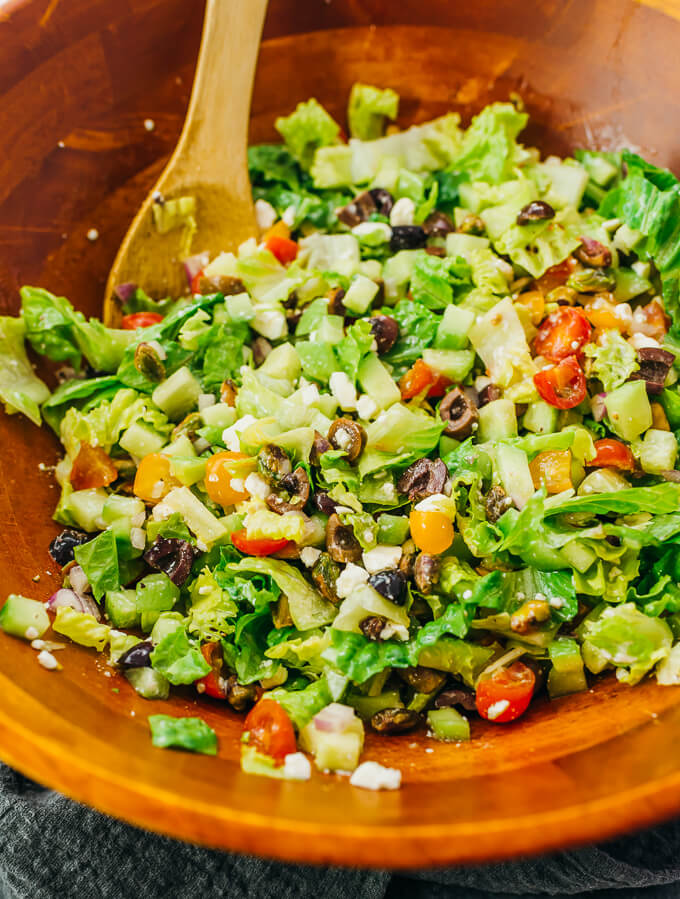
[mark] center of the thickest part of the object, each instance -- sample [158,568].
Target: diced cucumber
[377,382]
[86,508]
[182,446]
[568,180]
[513,470]
[156,593]
[371,268]
[331,330]
[397,273]
[448,725]
[567,674]
[447,445]
[464,244]
[140,439]
[453,364]
[420,701]
[178,394]
[200,521]
[187,471]
[603,480]
[24,617]
[600,169]
[452,333]
[166,623]
[497,420]
[626,239]
[121,608]
[628,410]
[540,418]
[629,284]
[149,683]
[334,751]
[392,529]
[658,451]
[254,762]
[367,706]
[219,415]
[123,510]
[360,294]
[239,307]
[283,363]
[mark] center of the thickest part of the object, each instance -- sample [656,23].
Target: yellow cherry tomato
[153,479]
[431,530]
[552,469]
[220,477]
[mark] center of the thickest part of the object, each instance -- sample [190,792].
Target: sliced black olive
[439,252]
[325,573]
[386,332]
[424,680]
[372,627]
[488,394]
[335,305]
[407,237]
[536,211]
[172,556]
[426,572]
[391,584]
[341,543]
[319,447]
[655,364]
[347,435]
[239,696]
[424,478]
[261,348]
[471,224]
[462,697]
[296,493]
[383,199]
[273,464]
[149,363]
[438,224]
[459,412]
[137,656]
[593,253]
[359,210]
[497,503]
[395,721]
[224,284]
[61,548]
[228,392]
[324,503]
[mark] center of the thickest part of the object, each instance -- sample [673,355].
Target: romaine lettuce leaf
[489,151]
[433,280]
[21,390]
[78,394]
[99,560]
[192,734]
[417,331]
[306,129]
[81,627]
[302,705]
[659,499]
[369,108]
[403,430]
[612,359]
[178,660]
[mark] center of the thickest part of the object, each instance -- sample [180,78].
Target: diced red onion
[598,406]
[334,718]
[70,599]
[78,580]
[125,292]
[194,264]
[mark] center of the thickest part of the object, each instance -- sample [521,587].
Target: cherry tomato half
[261,546]
[140,320]
[506,693]
[283,248]
[271,730]
[612,454]
[563,385]
[220,476]
[431,530]
[215,685]
[562,334]
[92,467]
[421,379]
[557,275]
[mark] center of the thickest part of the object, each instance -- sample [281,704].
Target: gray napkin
[52,848]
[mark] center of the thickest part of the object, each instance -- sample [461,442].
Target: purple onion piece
[65,598]
[598,407]
[79,581]
[194,264]
[125,292]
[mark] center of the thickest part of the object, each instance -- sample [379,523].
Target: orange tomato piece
[153,480]
[552,469]
[557,275]
[534,302]
[278,229]
[283,248]
[219,478]
[651,320]
[605,315]
[420,378]
[92,467]
[431,530]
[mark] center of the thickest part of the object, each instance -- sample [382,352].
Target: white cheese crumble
[431,503]
[639,341]
[402,212]
[237,485]
[394,630]
[374,776]
[309,394]
[31,633]
[381,557]
[288,216]
[161,511]
[47,660]
[366,407]
[309,555]
[265,214]
[351,577]
[296,766]
[205,400]
[343,390]
[93,235]
[256,485]
[137,538]
[230,434]
[496,709]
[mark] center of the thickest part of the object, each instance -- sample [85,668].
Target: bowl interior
[576,769]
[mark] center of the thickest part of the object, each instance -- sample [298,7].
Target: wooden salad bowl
[78,80]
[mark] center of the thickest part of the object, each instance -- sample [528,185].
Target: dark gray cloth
[52,848]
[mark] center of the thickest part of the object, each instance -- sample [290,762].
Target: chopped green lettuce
[178,660]
[369,108]
[21,390]
[306,129]
[192,734]
[612,359]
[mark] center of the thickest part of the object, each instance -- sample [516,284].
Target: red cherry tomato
[215,685]
[140,320]
[92,467]
[562,334]
[563,385]
[283,248]
[506,693]
[257,546]
[271,730]
[196,283]
[556,276]
[420,378]
[612,454]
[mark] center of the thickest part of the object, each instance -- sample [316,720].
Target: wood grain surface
[77,81]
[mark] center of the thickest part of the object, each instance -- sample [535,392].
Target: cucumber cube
[121,608]
[149,683]
[658,451]
[392,529]
[219,415]
[448,725]
[377,382]
[239,307]
[283,363]
[178,394]
[628,410]
[24,617]
[464,244]
[331,330]
[513,470]
[140,439]
[453,364]
[540,418]
[360,294]
[452,333]
[497,420]
[367,706]
[189,470]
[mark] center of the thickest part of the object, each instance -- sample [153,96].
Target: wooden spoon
[209,162]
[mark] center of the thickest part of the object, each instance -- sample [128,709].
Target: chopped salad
[406,459]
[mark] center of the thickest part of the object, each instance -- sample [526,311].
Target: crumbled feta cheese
[497,708]
[230,434]
[639,341]
[351,577]
[431,503]
[265,214]
[309,555]
[343,439]
[539,597]
[205,400]
[149,124]
[47,660]
[161,511]
[270,323]
[402,212]
[369,229]
[256,485]
[138,519]
[31,633]
[309,394]
[366,407]
[237,485]
[556,602]
[374,776]
[93,234]
[343,390]
[288,216]
[202,546]
[467,594]
[381,557]
[247,248]
[137,538]
[296,766]
[394,630]
[157,348]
